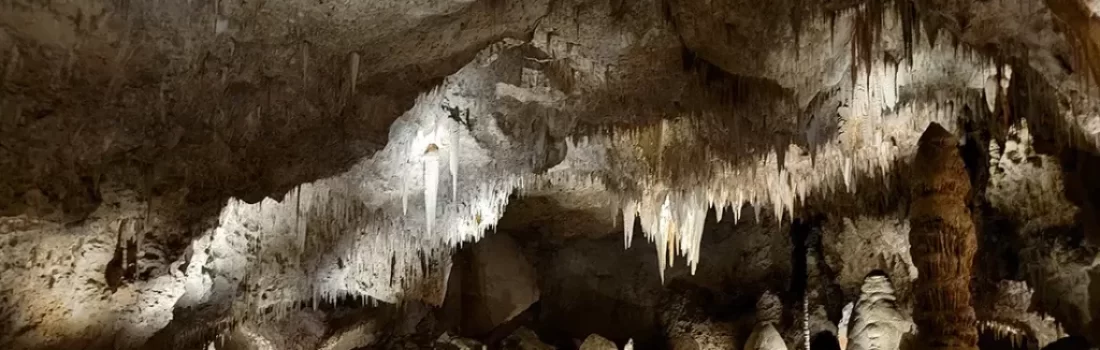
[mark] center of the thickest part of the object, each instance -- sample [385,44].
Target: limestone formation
[596,342]
[876,322]
[943,243]
[764,336]
[345,173]
[499,284]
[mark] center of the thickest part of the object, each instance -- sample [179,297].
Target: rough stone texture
[264,156]
[763,337]
[944,243]
[499,284]
[688,329]
[1009,316]
[596,342]
[876,322]
[524,339]
[1026,185]
[448,342]
[855,247]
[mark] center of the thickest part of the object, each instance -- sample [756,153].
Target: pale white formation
[889,85]
[672,214]
[673,222]
[630,212]
[842,327]
[991,91]
[454,160]
[876,323]
[404,196]
[431,184]
[765,337]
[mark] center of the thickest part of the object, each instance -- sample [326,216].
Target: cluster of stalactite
[943,243]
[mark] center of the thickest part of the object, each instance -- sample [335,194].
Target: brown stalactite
[943,243]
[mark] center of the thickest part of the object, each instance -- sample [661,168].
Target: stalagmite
[943,243]
[431,184]
[876,323]
[842,327]
[764,336]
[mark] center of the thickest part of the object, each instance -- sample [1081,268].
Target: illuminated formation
[267,174]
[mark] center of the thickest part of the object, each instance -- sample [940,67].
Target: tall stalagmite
[943,243]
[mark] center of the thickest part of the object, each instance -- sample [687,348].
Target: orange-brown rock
[943,243]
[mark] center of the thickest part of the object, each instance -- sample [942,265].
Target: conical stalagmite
[764,336]
[876,322]
[943,243]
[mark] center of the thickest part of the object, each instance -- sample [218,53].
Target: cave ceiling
[255,157]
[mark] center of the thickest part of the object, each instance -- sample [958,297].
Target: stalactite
[943,243]
[907,13]
[866,32]
[454,161]
[630,212]
[991,88]
[1001,331]
[431,184]
[353,71]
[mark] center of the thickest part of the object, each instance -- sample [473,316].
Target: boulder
[498,285]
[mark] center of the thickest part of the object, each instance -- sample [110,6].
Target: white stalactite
[630,211]
[405,194]
[454,162]
[431,184]
[889,85]
[991,93]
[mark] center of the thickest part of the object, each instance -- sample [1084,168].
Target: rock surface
[876,322]
[499,285]
[176,171]
[596,342]
[944,244]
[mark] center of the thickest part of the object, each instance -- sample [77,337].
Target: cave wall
[228,163]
